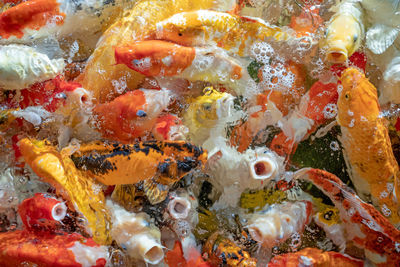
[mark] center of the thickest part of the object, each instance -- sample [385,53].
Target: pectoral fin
[380,37]
[155,192]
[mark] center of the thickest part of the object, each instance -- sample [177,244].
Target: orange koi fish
[308,22]
[159,164]
[369,157]
[205,27]
[169,127]
[316,108]
[126,30]
[175,257]
[222,251]
[365,226]
[32,14]
[42,212]
[314,257]
[131,115]
[161,58]
[19,248]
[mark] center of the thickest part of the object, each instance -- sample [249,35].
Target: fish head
[154,57]
[182,28]
[211,106]
[342,38]
[358,99]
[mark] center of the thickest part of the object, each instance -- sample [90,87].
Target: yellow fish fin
[155,192]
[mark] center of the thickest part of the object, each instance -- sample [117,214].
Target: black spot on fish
[223,257]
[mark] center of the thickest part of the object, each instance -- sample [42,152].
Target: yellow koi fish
[344,32]
[205,27]
[82,194]
[372,166]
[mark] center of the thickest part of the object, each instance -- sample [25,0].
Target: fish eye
[355,38]
[328,215]
[347,96]
[180,34]
[141,113]
[207,106]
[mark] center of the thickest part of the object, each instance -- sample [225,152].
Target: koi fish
[169,127]
[159,164]
[233,33]
[369,157]
[365,226]
[316,107]
[33,20]
[161,58]
[64,250]
[221,250]
[42,212]
[22,66]
[131,115]
[344,32]
[32,15]
[206,111]
[308,22]
[175,257]
[102,83]
[81,193]
[314,257]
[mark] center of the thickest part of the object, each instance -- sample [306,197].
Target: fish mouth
[336,55]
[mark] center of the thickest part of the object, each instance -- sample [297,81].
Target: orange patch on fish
[153,58]
[32,14]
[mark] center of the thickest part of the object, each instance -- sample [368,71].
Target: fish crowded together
[249,133]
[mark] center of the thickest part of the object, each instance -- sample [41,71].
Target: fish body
[81,193]
[372,166]
[205,27]
[316,107]
[344,32]
[131,115]
[45,249]
[159,164]
[22,66]
[221,250]
[161,58]
[366,227]
[314,257]
[32,20]
[134,25]
[169,127]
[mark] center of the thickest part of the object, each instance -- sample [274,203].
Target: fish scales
[373,168]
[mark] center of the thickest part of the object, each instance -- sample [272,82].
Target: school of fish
[199,133]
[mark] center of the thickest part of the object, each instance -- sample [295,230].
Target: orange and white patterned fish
[365,226]
[372,166]
[161,58]
[233,33]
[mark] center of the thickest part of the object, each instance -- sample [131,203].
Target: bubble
[276,77]
[330,111]
[386,211]
[334,145]
[262,52]
[181,228]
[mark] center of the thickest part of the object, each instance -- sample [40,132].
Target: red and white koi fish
[365,226]
[131,115]
[317,106]
[45,249]
[32,20]
[161,58]
[169,127]
[42,212]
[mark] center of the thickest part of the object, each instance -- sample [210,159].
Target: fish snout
[337,53]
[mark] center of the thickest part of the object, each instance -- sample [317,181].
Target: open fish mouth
[336,55]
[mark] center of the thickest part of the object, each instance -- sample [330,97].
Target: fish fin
[155,192]
[380,37]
